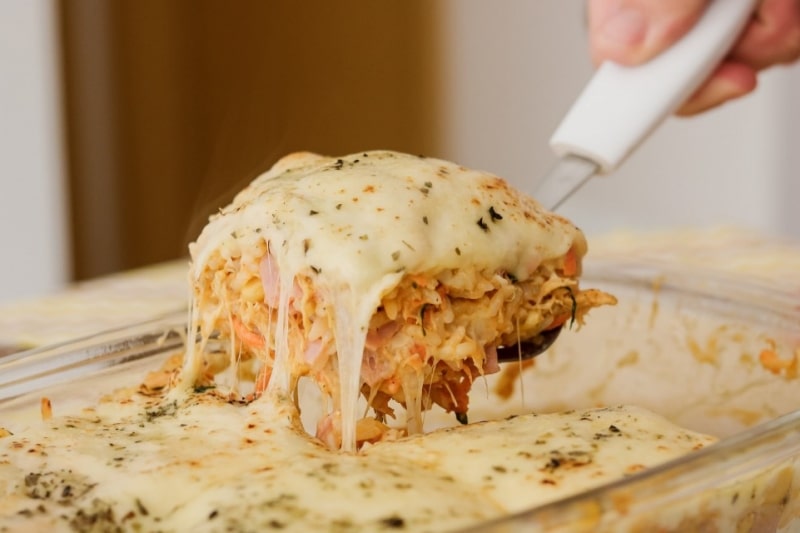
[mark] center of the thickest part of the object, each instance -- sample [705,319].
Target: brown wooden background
[173,105]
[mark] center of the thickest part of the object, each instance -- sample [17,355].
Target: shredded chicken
[433,334]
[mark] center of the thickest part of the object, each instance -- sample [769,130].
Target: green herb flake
[483,225]
[462,418]
[393,522]
[168,409]
[141,508]
[422,318]
[313,212]
[494,214]
[553,464]
[425,220]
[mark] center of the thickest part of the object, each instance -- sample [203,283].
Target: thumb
[632,31]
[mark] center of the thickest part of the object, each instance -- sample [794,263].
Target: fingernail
[626,27]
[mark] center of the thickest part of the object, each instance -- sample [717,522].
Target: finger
[772,37]
[630,32]
[730,80]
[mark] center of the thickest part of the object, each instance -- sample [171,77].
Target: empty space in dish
[687,347]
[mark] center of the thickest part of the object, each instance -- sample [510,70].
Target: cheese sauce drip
[358,224]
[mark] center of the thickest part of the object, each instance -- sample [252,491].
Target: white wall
[517,65]
[511,70]
[33,222]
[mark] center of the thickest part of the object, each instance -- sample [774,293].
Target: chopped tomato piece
[248,337]
[570,267]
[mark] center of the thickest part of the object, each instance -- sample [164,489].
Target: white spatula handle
[621,105]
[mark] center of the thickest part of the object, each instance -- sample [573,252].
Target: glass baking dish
[687,345]
[712,353]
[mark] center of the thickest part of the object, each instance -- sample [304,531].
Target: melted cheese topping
[367,216]
[208,465]
[358,224]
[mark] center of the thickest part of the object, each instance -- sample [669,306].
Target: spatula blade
[566,177]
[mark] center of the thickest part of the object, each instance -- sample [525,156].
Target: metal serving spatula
[621,105]
[619,108]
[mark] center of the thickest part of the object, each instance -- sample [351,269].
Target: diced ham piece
[380,336]
[313,351]
[329,430]
[270,280]
[490,364]
[375,369]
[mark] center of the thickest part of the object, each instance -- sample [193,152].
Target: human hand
[630,32]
